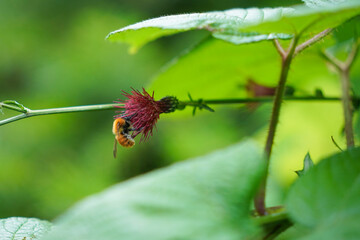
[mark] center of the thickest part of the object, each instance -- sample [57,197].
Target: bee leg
[115,148]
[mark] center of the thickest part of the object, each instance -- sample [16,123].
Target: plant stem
[347,106]
[271,218]
[259,100]
[311,41]
[344,72]
[111,106]
[286,58]
[12,107]
[32,113]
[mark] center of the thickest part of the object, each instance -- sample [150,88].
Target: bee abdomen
[125,140]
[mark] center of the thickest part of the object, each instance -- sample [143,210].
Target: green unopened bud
[168,104]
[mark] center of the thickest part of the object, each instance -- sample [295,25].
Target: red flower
[143,111]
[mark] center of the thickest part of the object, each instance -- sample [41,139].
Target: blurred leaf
[326,200]
[195,199]
[346,36]
[18,228]
[348,30]
[235,25]
[308,163]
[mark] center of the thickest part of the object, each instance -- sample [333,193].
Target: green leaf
[216,69]
[240,25]
[229,21]
[345,36]
[327,199]
[310,21]
[241,38]
[308,163]
[322,3]
[18,228]
[204,198]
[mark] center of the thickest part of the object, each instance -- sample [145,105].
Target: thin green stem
[271,218]
[32,113]
[26,113]
[12,107]
[259,100]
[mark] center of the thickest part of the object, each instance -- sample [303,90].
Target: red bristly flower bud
[143,111]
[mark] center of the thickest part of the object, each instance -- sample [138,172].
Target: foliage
[210,196]
[308,164]
[193,199]
[17,228]
[326,200]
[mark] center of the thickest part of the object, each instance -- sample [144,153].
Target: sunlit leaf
[322,3]
[195,199]
[327,199]
[18,228]
[234,25]
[216,69]
[227,22]
[241,38]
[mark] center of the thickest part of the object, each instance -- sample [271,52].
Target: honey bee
[121,130]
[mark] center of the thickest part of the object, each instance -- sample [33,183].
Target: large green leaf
[310,21]
[327,199]
[18,228]
[232,25]
[221,23]
[216,69]
[204,198]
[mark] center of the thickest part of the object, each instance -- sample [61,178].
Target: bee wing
[115,148]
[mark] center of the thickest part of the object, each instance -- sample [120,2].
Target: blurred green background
[54,54]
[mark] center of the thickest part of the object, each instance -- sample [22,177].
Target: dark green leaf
[18,228]
[204,198]
[327,199]
[308,163]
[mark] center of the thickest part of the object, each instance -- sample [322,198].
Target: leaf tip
[308,163]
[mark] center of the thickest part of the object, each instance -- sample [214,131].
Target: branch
[260,100]
[279,48]
[311,41]
[26,113]
[352,55]
[344,71]
[31,113]
[259,200]
[332,60]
